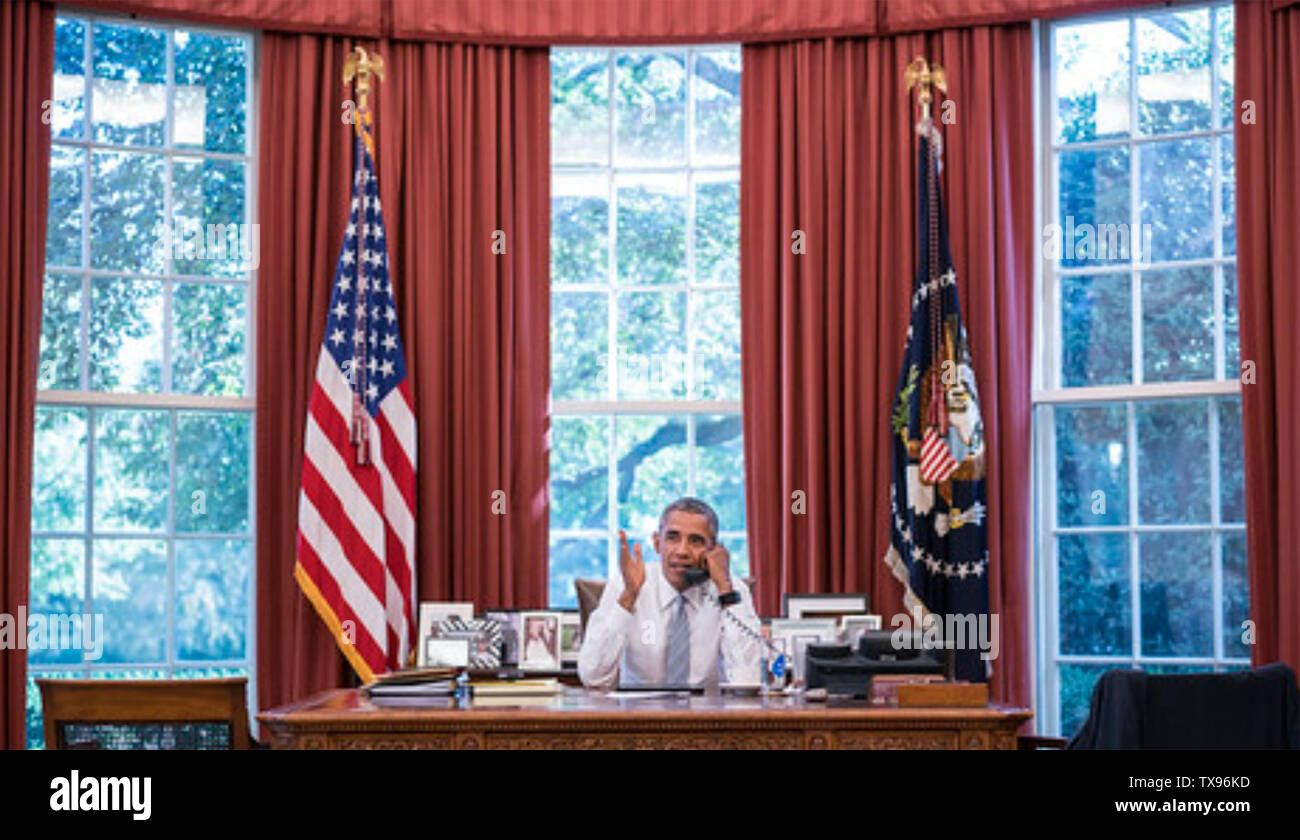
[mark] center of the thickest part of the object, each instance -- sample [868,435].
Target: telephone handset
[697,575]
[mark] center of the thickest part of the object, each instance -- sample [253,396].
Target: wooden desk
[578,719]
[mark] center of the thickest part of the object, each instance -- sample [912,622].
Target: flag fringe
[894,562]
[326,613]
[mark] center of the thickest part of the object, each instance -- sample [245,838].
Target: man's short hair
[690,504]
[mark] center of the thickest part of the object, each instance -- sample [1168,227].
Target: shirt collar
[668,595]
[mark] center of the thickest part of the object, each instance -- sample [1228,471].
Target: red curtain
[464,171]
[630,21]
[358,18]
[27,65]
[546,22]
[1268,217]
[463,152]
[920,15]
[827,149]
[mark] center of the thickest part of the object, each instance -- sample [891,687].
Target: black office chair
[1249,709]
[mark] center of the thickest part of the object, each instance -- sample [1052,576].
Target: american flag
[936,461]
[356,512]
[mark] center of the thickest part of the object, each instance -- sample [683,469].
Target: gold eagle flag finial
[363,67]
[920,74]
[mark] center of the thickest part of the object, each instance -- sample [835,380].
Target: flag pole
[364,68]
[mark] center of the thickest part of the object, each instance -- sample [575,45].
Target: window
[1140,502]
[142,485]
[645,305]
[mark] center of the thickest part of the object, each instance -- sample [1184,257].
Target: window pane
[58,569]
[63,222]
[209,329]
[580,472]
[210,108]
[716,91]
[1176,200]
[1178,324]
[126,325]
[579,345]
[717,231]
[1094,188]
[720,468]
[212,598]
[60,333]
[1173,463]
[129,586]
[1223,24]
[68,118]
[651,243]
[1232,478]
[652,469]
[1092,81]
[651,345]
[572,559]
[1095,612]
[579,229]
[210,227]
[59,470]
[1096,330]
[1228,199]
[130,93]
[579,106]
[716,324]
[650,108]
[1236,594]
[1092,465]
[131,471]
[1231,331]
[1173,71]
[1177,610]
[126,208]
[212,474]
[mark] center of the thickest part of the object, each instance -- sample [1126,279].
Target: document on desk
[643,695]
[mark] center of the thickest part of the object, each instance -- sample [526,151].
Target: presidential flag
[938,538]
[356,511]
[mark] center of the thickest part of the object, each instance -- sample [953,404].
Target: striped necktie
[678,671]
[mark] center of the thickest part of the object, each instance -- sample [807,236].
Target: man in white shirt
[654,628]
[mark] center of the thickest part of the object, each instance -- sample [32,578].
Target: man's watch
[732,597]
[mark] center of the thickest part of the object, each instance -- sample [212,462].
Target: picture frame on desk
[539,641]
[432,612]
[823,605]
[570,637]
[509,621]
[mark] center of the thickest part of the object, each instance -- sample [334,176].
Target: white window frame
[95,401]
[1048,392]
[610,406]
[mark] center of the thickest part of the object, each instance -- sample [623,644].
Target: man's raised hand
[633,569]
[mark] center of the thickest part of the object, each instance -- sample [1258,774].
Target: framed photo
[432,612]
[797,633]
[481,637]
[539,641]
[570,637]
[445,653]
[509,621]
[853,626]
[823,605]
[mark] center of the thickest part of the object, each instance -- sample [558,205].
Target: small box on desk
[951,694]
